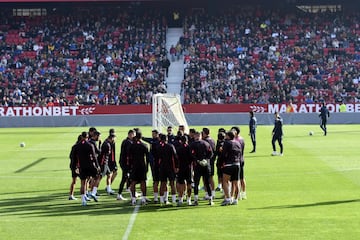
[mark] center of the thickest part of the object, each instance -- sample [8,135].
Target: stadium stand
[82,56]
[274,57]
[107,55]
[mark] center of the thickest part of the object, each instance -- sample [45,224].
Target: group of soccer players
[177,161]
[91,160]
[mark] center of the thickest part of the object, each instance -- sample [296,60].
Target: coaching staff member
[277,134]
[324,115]
[252,130]
[124,162]
[201,153]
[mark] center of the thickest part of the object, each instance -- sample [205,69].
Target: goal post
[167,111]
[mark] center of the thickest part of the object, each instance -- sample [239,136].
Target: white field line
[133,217]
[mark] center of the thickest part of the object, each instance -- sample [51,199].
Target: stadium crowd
[116,56]
[82,56]
[253,55]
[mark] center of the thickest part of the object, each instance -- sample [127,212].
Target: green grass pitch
[312,192]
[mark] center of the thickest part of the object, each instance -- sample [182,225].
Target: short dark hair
[222,130]
[206,131]
[230,134]
[236,129]
[221,135]
[131,131]
[111,130]
[162,137]
[84,134]
[155,131]
[192,130]
[92,129]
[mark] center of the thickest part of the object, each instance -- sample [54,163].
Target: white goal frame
[167,111]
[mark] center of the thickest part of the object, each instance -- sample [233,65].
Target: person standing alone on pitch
[252,130]
[277,135]
[324,115]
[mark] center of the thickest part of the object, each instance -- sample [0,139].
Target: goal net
[167,111]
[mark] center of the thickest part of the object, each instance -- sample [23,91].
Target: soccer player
[170,135]
[154,162]
[183,180]
[85,153]
[240,139]
[191,135]
[231,154]
[94,181]
[205,135]
[252,130]
[218,150]
[277,134]
[124,162]
[201,153]
[139,163]
[105,157]
[168,167]
[74,166]
[324,115]
[112,164]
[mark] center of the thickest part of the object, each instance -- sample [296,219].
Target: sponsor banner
[147,109]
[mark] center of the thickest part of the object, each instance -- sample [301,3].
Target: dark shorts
[112,166]
[166,174]
[233,172]
[155,171]
[138,174]
[87,172]
[74,174]
[183,177]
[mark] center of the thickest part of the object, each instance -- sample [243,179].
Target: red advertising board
[147,109]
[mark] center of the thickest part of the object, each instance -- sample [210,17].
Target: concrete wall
[202,119]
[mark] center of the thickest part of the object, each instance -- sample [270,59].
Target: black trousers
[279,139]
[204,172]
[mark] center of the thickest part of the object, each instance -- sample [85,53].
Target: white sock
[213,194]
[189,199]
[83,198]
[220,185]
[166,196]
[108,188]
[161,199]
[173,198]
[196,197]
[133,200]
[156,196]
[94,191]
